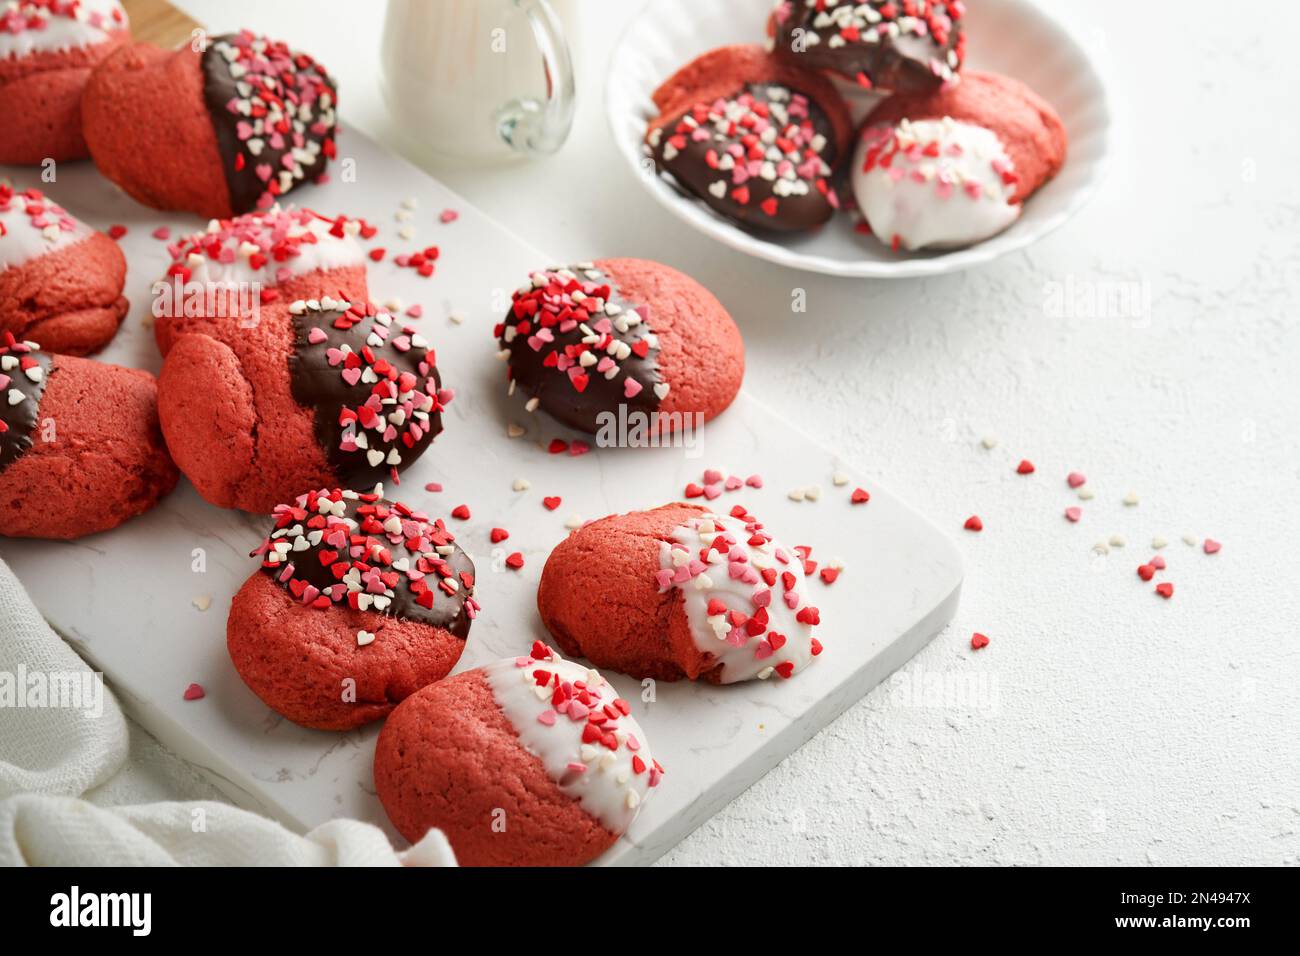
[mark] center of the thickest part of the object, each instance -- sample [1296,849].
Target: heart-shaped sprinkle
[978,641]
[1211,546]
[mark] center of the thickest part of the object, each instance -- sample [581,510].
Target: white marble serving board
[125,598]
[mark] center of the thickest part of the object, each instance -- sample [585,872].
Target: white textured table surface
[1102,724]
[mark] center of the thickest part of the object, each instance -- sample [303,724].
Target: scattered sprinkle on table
[978,641]
[203,602]
[1026,467]
[973,523]
[194,692]
[515,560]
[460,512]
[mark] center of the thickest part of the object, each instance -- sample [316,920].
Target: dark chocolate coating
[20,420]
[694,165]
[902,64]
[554,389]
[220,88]
[318,385]
[324,565]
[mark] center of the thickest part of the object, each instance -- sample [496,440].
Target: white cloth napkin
[50,756]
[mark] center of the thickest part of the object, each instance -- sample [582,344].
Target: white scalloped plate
[1014,37]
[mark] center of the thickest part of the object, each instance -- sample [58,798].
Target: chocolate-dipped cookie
[80,448]
[359,602]
[527,761]
[318,393]
[47,50]
[60,281]
[888,46]
[621,340]
[678,592]
[753,137]
[218,131]
[954,167]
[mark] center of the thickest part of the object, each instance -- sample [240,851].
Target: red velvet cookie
[80,449]
[622,344]
[299,393]
[953,167]
[47,50]
[884,45]
[360,602]
[678,592]
[753,137]
[530,761]
[60,281]
[218,132]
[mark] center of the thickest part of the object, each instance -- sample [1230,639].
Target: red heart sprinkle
[1165,590]
[498,535]
[860,496]
[557,446]
[1146,572]
[1026,467]
[461,512]
[830,574]
[978,640]
[515,560]
[551,502]
[194,692]
[693,490]
[973,523]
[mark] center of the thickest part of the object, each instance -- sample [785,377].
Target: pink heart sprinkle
[754,481]
[1074,514]
[1211,546]
[316,336]
[712,491]
[546,717]
[1158,562]
[352,375]
[1075,479]
[631,388]
[733,483]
